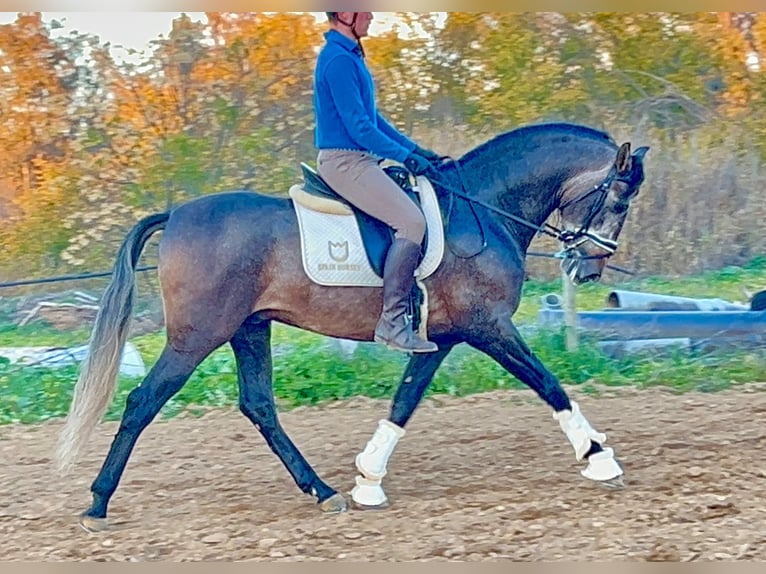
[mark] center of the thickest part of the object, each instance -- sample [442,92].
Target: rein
[571,239]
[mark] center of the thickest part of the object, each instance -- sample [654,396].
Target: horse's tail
[97,382]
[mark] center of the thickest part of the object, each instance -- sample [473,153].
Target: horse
[229,264]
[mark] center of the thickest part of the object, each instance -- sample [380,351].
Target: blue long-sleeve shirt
[344,104]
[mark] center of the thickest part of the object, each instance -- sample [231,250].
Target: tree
[37,101]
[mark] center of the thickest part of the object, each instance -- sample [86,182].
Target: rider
[353,138]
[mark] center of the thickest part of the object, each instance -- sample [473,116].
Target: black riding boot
[393,328]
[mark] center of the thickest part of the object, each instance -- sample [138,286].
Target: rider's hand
[417,164]
[431,156]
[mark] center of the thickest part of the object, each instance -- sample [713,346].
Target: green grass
[308,370]
[34,335]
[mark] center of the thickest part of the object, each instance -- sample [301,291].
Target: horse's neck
[532,203]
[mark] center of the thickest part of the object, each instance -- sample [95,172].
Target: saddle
[377,237]
[342,245]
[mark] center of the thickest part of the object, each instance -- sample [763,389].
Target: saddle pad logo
[338,251]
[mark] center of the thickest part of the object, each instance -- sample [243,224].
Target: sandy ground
[487,477]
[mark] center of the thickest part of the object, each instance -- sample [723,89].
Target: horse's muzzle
[582,270]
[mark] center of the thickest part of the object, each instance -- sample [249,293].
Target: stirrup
[424,346]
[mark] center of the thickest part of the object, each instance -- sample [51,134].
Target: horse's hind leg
[373,460]
[252,349]
[165,379]
[505,345]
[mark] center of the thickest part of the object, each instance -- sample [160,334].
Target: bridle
[574,239]
[571,239]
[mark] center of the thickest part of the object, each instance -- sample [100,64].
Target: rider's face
[363,20]
[362,23]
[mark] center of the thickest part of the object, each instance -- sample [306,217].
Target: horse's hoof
[93,525]
[356,505]
[336,503]
[616,483]
[604,469]
[359,506]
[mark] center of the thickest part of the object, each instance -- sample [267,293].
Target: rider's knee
[413,227]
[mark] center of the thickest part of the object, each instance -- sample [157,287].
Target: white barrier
[131,363]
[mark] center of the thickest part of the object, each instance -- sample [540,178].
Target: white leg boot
[602,466]
[372,461]
[578,430]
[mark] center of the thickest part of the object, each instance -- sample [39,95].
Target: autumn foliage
[90,144]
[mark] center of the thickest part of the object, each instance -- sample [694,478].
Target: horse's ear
[640,153]
[623,161]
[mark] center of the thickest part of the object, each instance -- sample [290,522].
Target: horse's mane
[516,137]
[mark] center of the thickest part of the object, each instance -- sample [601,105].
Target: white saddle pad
[331,244]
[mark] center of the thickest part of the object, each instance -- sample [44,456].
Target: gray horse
[230,264]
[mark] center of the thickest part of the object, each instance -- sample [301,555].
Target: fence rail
[67,277]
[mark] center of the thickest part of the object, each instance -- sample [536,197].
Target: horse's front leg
[504,344]
[372,462]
